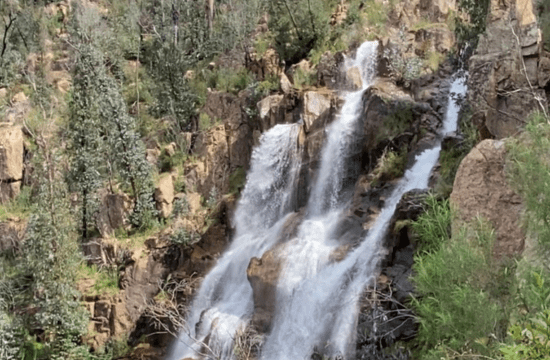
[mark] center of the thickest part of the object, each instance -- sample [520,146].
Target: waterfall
[318,300]
[224,304]
[342,133]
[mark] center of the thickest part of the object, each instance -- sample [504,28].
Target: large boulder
[481,189]
[317,109]
[272,111]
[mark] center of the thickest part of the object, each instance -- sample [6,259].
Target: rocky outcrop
[213,165]
[317,109]
[164,195]
[481,190]
[263,274]
[11,161]
[504,71]
[113,213]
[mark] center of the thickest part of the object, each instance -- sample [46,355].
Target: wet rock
[271,111]
[328,69]
[263,274]
[317,107]
[481,189]
[353,79]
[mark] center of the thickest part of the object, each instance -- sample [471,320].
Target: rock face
[481,189]
[263,275]
[113,213]
[11,161]
[316,109]
[164,195]
[505,70]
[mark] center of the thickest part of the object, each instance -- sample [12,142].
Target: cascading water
[318,300]
[310,251]
[224,302]
[326,194]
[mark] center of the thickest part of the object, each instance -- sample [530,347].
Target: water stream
[317,298]
[224,304]
[318,310]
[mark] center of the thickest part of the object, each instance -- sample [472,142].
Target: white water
[318,300]
[326,194]
[224,302]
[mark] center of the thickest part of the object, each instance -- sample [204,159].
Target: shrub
[183,237]
[529,173]
[298,26]
[433,227]
[453,305]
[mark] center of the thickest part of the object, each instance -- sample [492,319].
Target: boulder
[285,84]
[481,189]
[164,195]
[271,111]
[317,107]
[194,201]
[353,79]
[9,190]
[263,274]
[113,213]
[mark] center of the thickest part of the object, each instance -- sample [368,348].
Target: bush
[183,237]
[298,26]
[453,305]
[529,172]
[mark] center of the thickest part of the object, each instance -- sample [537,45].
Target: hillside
[284,179]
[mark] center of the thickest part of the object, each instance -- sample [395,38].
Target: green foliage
[39,287]
[377,13]
[529,332]
[530,174]
[433,227]
[270,83]
[453,305]
[237,179]
[470,31]
[390,165]
[104,141]
[396,122]
[544,22]
[183,237]
[20,206]
[304,78]
[181,207]
[298,26]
